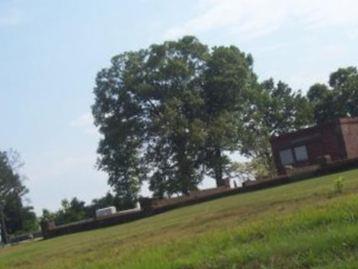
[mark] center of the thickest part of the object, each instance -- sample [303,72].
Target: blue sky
[50,51]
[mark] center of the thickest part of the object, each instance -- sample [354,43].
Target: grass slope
[301,225]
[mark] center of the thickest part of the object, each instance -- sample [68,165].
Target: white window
[301,153]
[286,157]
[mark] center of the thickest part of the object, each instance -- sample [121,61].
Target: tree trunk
[4,236]
[218,168]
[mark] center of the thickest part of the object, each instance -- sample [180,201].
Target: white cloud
[85,122]
[10,17]
[58,166]
[304,79]
[254,18]
[55,175]
[333,51]
[352,33]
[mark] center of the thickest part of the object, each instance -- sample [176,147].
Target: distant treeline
[75,209]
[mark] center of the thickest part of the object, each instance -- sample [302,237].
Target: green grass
[308,224]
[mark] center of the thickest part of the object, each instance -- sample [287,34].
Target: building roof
[314,129]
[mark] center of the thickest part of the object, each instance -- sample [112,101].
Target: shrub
[338,185]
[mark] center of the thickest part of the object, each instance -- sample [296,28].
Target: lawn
[307,224]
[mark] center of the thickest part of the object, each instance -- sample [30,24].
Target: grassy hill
[302,225]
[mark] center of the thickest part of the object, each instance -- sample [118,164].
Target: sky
[51,50]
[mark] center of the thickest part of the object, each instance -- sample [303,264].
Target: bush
[338,185]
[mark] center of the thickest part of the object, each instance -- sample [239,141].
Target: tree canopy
[274,109]
[338,99]
[168,113]
[228,84]
[172,113]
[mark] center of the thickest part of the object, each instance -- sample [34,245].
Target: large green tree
[228,83]
[339,98]
[169,114]
[173,84]
[147,108]
[121,119]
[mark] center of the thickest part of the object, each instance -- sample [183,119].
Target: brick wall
[332,141]
[349,129]
[149,207]
[49,229]
[322,140]
[185,199]
[155,206]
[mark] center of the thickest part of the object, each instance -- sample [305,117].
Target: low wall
[24,237]
[148,207]
[338,166]
[152,206]
[50,230]
[311,172]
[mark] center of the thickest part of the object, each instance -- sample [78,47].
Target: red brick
[337,139]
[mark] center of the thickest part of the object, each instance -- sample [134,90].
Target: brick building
[336,140]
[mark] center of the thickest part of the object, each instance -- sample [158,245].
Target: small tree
[19,218]
[70,211]
[338,185]
[10,185]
